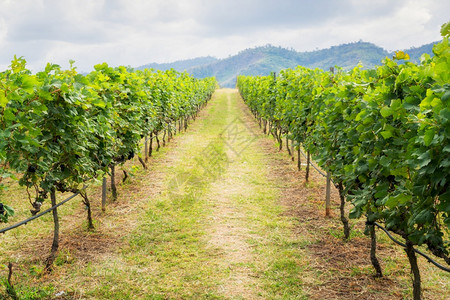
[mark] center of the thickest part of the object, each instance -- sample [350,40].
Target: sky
[138,32]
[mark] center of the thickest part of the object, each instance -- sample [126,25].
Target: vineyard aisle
[220,214]
[216,230]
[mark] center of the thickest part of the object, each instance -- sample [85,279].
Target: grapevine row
[382,134]
[60,129]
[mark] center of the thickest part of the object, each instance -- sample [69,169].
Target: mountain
[266,59]
[180,65]
[416,53]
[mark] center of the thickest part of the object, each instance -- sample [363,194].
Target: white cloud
[142,31]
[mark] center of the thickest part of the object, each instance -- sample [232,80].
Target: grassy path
[214,230]
[220,215]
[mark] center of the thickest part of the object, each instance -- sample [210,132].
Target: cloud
[141,31]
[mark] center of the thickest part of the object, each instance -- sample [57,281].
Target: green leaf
[386,134]
[9,210]
[99,103]
[435,102]
[391,202]
[424,159]
[3,100]
[423,217]
[445,115]
[9,115]
[445,29]
[446,96]
[386,111]
[401,55]
[396,104]
[360,115]
[385,161]
[403,198]
[29,83]
[394,201]
[428,137]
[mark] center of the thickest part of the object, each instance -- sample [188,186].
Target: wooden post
[150,150]
[299,159]
[146,149]
[104,194]
[327,197]
[113,182]
[292,150]
[307,167]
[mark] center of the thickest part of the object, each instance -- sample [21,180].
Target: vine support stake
[113,182]
[104,194]
[146,149]
[308,158]
[328,195]
[292,150]
[150,148]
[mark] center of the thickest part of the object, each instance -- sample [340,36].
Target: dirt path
[229,230]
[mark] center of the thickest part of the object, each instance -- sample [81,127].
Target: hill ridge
[261,60]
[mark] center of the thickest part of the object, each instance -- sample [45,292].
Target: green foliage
[383,133]
[445,29]
[59,129]
[5,212]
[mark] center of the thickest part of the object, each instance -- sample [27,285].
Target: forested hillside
[266,59]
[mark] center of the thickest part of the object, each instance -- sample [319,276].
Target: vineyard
[382,135]
[61,130]
[221,212]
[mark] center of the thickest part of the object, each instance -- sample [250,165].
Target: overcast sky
[136,32]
